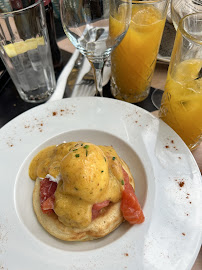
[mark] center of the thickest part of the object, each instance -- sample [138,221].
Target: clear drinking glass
[89,25]
[25,51]
[181,8]
[181,106]
[134,60]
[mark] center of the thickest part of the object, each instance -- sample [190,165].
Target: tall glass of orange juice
[181,105]
[134,60]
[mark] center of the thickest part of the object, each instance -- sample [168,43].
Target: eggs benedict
[82,191]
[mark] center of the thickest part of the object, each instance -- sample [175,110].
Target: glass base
[131,98]
[33,97]
[156,98]
[194,146]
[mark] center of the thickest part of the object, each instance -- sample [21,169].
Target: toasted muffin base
[105,223]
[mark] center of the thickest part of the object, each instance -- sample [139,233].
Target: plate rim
[9,124]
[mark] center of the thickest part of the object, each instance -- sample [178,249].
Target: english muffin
[82,191]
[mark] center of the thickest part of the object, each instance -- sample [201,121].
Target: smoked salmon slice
[47,190]
[97,207]
[130,206]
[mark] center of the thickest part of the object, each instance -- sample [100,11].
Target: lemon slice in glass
[21,47]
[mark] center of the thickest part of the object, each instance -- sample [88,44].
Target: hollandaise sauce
[87,174]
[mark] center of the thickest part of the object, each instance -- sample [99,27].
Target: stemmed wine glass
[95,28]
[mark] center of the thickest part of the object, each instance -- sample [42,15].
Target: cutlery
[62,80]
[82,84]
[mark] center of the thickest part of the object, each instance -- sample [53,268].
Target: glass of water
[25,51]
[95,28]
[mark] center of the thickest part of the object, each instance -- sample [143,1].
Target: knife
[62,80]
[72,78]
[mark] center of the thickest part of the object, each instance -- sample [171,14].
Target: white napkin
[62,80]
[106,72]
[85,68]
[77,90]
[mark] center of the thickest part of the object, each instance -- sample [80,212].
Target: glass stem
[98,72]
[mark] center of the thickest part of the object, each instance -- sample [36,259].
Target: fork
[82,90]
[85,84]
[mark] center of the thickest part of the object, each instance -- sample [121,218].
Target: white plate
[169,238]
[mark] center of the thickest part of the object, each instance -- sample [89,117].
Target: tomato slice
[130,206]
[97,207]
[47,190]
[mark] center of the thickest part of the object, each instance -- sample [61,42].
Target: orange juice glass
[134,60]
[181,106]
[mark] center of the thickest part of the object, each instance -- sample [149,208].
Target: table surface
[11,104]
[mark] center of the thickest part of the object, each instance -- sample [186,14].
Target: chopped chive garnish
[86,146]
[75,149]
[82,144]
[105,159]
[114,158]
[102,171]
[77,155]
[122,182]
[86,152]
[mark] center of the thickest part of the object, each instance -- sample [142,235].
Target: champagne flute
[89,26]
